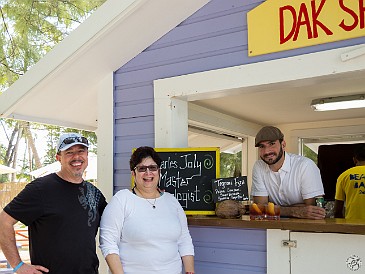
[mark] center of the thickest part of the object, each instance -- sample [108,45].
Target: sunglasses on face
[71,140]
[151,168]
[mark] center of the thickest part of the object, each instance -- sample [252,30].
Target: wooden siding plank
[190,66]
[186,65]
[230,256]
[136,109]
[122,162]
[125,94]
[206,47]
[122,180]
[184,34]
[215,268]
[135,126]
[239,236]
[224,250]
[135,141]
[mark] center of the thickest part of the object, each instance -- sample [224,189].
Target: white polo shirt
[299,178]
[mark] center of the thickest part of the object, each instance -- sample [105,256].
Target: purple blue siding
[229,251]
[214,37]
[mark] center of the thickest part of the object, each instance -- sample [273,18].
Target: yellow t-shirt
[350,188]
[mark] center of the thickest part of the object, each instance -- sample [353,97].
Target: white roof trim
[67,78]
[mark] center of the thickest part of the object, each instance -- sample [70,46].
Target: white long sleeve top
[147,239]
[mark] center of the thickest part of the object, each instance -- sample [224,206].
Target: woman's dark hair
[141,153]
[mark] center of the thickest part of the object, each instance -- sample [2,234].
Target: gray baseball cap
[68,140]
[268,133]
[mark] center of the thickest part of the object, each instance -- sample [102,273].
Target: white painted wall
[293,132]
[105,147]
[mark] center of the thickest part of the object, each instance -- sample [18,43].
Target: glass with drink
[272,212]
[257,211]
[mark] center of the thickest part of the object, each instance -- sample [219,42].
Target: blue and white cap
[68,140]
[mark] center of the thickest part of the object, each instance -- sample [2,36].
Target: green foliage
[29,29]
[307,152]
[230,165]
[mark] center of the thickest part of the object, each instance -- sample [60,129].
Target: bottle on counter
[319,201]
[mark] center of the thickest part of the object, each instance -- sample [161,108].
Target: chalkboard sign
[187,173]
[233,188]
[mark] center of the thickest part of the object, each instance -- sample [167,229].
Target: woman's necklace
[152,204]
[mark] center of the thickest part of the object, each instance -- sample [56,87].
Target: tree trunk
[15,151]
[9,151]
[29,137]
[21,130]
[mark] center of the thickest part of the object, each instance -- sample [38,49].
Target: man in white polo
[289,180]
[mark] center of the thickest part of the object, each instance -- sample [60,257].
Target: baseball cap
[68,140]
[268,133]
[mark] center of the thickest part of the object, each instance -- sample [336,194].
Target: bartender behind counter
[289,180]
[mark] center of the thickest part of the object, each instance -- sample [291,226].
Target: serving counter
[286,246]
[327,225]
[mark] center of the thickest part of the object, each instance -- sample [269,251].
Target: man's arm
[307,210]
[9,248]
[7,239]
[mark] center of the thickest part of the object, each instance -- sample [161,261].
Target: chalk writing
[187,174]
[233,188]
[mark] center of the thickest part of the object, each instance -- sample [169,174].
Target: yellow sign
[278,25]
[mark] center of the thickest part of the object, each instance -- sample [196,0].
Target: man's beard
[275,160]
[79,174]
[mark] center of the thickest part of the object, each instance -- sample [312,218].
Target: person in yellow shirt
[350,189]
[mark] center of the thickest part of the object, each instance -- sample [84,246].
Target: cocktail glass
[257,211]
[272,212]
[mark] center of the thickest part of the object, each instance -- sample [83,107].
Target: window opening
[231,162]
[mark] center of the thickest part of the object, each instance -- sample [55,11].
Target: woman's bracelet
[18,266]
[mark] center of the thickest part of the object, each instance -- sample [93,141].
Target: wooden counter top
[326,225]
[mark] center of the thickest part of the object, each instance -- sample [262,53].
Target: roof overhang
[62,88]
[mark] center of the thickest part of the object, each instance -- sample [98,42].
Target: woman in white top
[144,230]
